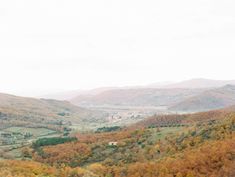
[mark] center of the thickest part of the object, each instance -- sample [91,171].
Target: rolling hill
[16,110]
[175,120]
[136,97]
[68,95]
[208,100]
[187,84]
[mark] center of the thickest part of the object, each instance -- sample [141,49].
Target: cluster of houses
[116,116]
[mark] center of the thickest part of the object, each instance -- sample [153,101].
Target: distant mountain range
[208,100]
[200,83]
[188,84]
[190,95]
[136,97]
[183,100]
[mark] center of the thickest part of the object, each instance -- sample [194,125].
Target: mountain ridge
[210,99]
[199,83]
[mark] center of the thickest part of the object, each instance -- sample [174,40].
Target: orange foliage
[103,137]
[64,153]
[15,168]
[185,119]
[210,160]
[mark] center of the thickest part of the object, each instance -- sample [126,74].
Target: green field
[166,131]
[36,132]
[14,150]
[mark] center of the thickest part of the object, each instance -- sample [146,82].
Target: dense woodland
[202,145]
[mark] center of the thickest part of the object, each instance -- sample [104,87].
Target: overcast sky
[57,45]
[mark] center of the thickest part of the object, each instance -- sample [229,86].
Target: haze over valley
[129,104]
[98,128]
[115,106]
[117,88]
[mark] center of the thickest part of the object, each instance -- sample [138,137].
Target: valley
[117,88]
[112,133]
[125,115]
[151,147]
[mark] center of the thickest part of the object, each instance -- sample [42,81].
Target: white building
[113,143]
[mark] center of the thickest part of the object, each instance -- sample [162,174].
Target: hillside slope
[136,97]
[29,111]
[204,148]
[175,120]
[208,100]
[199,83]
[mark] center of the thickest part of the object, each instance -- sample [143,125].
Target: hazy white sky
[79,44]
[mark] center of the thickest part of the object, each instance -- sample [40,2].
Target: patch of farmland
[36,132]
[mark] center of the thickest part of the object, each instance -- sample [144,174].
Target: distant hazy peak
[201,83]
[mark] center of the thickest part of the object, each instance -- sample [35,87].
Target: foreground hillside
[194,145]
